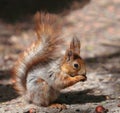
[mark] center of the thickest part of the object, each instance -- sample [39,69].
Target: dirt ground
[97,24]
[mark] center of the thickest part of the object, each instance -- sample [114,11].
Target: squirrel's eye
[76,66]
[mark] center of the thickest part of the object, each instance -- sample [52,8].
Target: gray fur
[36,91]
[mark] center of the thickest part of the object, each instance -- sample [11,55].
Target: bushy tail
[45,49]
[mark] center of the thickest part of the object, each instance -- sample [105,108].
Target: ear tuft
[68,55]
[75,45]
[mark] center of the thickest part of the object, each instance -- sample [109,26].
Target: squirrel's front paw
[81,77]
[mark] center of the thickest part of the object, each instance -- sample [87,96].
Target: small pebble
[108,97]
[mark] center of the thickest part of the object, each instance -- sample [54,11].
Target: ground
[97,25]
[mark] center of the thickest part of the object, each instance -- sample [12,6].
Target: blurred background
[95,22]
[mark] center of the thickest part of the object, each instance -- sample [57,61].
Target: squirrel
[42,70]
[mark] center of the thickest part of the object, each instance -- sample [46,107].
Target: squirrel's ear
[75,45]
[68,55]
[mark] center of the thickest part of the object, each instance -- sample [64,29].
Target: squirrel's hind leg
[40,93]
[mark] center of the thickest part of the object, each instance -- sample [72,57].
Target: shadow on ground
[7,93]
[15,9]
[102,58]
[80,97]
[109,63]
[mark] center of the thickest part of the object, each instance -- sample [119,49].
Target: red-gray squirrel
[43,70]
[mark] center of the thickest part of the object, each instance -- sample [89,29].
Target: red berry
[118,105]
[100,109]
